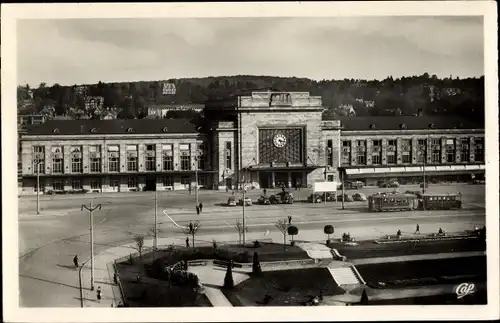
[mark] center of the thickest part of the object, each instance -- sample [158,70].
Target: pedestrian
[265,191]
[189,188]
[187,242]
[115,278]
[190,227]
[75,261]
[197,210]
[417,231]
[99,294]
[289,219]
[201,207]
[399,233]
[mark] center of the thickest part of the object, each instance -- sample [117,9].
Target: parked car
[320,197]
[393,184]
[248,201]
[353,185]
[282,198]
[345,198]
[231,201]
[360,197]
[264,200]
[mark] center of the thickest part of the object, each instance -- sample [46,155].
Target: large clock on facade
[279,140]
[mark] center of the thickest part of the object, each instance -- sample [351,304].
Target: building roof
[404,123]
[117,126]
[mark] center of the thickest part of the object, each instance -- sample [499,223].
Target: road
[48,243]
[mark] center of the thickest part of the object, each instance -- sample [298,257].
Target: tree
[193,229]
[239,228]
[292,230]
[139,243]
[228,279]
[328,230]
[282,225]
[256,269]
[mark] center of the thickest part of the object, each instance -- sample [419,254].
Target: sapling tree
[240,229]
[139,243]
[193,228]
[282,226]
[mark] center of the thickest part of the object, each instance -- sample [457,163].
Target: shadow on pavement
[67,266]
[86,299]
[49,281]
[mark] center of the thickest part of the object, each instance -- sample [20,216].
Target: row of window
[132,182]
[406,155]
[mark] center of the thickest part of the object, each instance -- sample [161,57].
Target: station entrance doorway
[150,184]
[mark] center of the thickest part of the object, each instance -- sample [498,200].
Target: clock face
[279,140]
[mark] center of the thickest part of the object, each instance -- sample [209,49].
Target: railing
[118,280]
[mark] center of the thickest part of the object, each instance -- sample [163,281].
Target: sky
[84,51]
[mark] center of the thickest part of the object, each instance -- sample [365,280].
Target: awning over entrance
[408,170]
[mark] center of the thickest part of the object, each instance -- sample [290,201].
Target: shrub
[293,230]
[328,230]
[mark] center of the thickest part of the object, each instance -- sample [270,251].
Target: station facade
[262,140]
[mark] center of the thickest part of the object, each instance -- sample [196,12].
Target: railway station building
[262,140]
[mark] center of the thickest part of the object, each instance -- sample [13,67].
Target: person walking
[197,210]
[417,231]
[99,294]
[189,188]
[201,207]
[187,242]
[75,261]
[289,219]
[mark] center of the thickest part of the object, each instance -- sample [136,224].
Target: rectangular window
[76,159]
[436,156]
[406,154]
[361,159]
[113,158]
[464,155]
[200,156]
[422,142]
[330,178]
[450,141]
[57,165]
[376,159]
[76,184]
[167,181]
[436,141]
[450,156]
[95,158]
[406,158]
[377,143]
[479,150]
[150,158]
[115,184]
[346,153]
[360,143]
[329,153]
[167,157]
[391,159]
[185,156]
[95,184]
[228,152]
[421,155]
[391,142]
[132,182]
[132,158]
[58,185]
[38,159]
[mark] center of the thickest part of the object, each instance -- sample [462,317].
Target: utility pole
[38,188]
[244,224]
[91,209]
[156,226]
[342,179]
[196,178]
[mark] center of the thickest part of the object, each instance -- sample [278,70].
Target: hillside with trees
[416,95]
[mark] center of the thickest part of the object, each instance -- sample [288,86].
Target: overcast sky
[80,51]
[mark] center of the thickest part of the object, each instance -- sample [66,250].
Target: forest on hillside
[415,95]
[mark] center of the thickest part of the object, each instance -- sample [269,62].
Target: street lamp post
[341,171]
[38,188]
[91,209]
[244,224]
